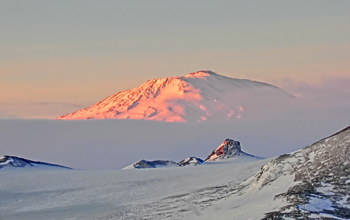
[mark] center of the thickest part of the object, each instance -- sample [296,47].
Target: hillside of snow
[311,183]
[198,96]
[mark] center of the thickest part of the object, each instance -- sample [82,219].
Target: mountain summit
[198,96]
[229,149]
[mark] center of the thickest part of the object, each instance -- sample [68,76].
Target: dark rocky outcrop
[12,161]
[191,161]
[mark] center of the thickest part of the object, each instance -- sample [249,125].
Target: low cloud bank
[113,144]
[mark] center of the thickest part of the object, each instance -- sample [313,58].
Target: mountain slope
[198,96]
[311,183]
[321,176]
[12,161]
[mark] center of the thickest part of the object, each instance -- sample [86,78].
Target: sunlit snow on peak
[198,96]
[200,74]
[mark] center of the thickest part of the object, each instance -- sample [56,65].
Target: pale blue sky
[75,53]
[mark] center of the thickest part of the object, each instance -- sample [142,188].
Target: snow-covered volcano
[198,96]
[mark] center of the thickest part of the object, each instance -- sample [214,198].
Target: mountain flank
[198,96]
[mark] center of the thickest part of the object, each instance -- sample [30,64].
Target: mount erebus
[198,96]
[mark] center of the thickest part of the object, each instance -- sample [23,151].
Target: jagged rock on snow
[229,149]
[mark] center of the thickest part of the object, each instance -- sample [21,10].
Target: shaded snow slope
[198,96]
[228,149]
[12,161]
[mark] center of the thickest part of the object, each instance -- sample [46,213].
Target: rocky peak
[228,149]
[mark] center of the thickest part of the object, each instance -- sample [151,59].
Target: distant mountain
[143,164]
[198,96]
[191,161]
[12,161]
[228,149]
[311,183]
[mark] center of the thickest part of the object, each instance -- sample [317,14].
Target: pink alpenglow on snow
[198,96]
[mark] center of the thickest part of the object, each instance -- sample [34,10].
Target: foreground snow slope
[198,96]
[79,194]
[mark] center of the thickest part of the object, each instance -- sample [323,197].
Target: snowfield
[177,192]
[309,183]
